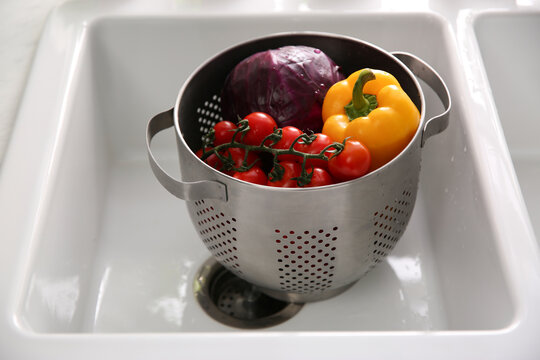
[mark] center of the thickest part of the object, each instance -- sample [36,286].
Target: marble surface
[20,28]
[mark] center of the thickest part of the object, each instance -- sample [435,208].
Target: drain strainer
[237,303]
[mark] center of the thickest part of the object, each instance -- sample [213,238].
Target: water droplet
[464,149]
[452,158]
[317,51]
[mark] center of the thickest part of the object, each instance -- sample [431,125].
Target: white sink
[510,53]
[102,257]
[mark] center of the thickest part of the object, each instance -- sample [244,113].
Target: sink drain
[237,303]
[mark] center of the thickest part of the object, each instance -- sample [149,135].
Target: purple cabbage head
[288,83]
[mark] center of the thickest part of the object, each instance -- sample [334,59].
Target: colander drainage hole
[235,302]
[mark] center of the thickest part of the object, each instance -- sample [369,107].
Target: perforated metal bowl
[303,244]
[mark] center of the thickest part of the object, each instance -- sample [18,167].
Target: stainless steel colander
[304,244]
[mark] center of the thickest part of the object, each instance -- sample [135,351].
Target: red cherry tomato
[316,147]
[289,134]
[211,160]
[253,175]
[223,132]
[351,163]
[320,177]
[260,126]
[238,155]
[292,170]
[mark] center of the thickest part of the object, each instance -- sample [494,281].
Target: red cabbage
[288,83]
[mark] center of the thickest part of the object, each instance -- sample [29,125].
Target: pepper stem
[361,104]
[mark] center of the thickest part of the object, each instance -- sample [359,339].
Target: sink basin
[101,257]
[515,96]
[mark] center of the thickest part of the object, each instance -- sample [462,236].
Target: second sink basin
[511,53]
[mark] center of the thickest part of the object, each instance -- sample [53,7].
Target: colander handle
[190,191]
[425,72]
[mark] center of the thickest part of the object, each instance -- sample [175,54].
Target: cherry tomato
[223,132]
[292,170]
[320,177]
[211,160]
[351,163]
[199,152]
[253,175]
[260,126]
[238,155]
[316,147]
[289,134]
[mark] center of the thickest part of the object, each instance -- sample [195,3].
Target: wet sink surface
[108,257]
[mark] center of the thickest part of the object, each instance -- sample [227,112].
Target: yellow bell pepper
[370,106]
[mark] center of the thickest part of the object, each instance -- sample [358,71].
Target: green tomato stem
[266,146]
